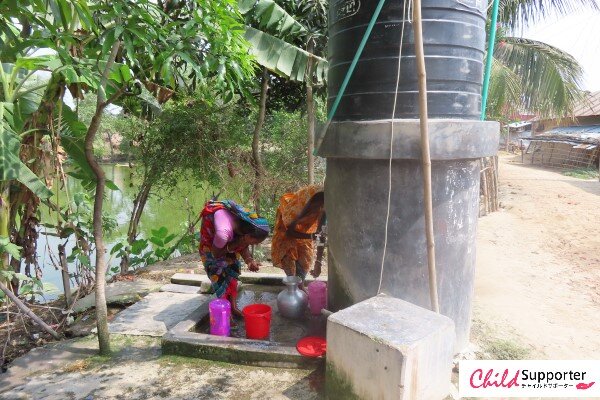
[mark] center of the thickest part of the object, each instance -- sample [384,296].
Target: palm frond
[505,92]
[550,78]
[521,13]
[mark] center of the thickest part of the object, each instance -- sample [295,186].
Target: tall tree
[313,14]
[111,49]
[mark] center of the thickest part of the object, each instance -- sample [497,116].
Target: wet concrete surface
[284,331]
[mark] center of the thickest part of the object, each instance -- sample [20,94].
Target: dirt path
[538,266]
[138,371]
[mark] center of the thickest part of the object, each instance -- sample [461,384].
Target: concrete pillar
[356,192]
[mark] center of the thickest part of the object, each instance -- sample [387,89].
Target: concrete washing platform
[190,337]
[380,348]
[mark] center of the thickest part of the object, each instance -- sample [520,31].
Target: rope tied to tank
[416,22]
[389,197]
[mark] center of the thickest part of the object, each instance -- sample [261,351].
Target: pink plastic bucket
[317,297]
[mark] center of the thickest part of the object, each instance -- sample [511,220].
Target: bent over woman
[299,223]
[226,233]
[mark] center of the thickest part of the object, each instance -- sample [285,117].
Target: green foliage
[528,75]
[113,126]
[204,42]
[33,23]
[12,168]
[522,13]
[284,157]
[161,245]
[582,173]
[76,220]
[7,247]
[506,350]
[15,105]
[544,79]
[283,58]
[284,152]
[194,136]
[268,15]
[28,286]
[273,34]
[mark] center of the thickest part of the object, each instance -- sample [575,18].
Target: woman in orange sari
[299,223]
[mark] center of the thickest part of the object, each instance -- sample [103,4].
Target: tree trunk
[101,309]
[138,208]
[64,272]
[310,114]
[256,160]
[110,145]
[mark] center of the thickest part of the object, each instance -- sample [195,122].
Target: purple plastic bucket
[220,317]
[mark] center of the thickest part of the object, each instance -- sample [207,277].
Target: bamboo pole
[64,272]
[28,312]
[494,183]
[484,183]
[425,154]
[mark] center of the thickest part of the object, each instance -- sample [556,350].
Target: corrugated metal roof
[584,132]
[575,129]
[589,106]
[519,124]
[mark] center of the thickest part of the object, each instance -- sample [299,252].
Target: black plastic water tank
[454,44]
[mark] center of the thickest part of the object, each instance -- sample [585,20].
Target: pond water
[168,209]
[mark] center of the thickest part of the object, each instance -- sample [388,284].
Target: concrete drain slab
[191,338]
[156,313]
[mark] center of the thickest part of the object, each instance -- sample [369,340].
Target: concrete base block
[199,280]
[156,313]
[386,348]
[175,288]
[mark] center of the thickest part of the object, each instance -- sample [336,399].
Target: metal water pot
[292,301]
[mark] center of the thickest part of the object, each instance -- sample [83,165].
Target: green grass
[506,350]
[582,173]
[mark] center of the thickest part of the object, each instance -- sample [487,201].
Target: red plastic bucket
[258,321]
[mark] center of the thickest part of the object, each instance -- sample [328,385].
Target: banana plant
[271,32]
[17,100]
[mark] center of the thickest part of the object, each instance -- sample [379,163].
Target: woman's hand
[316,271]
[253,265]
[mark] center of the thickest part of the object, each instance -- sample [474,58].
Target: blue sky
[579,35]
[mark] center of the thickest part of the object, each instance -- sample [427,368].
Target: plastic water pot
[317,297]
[258,321]
[220,317]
